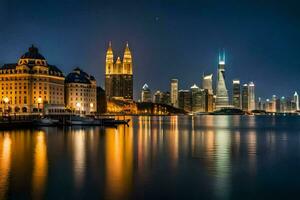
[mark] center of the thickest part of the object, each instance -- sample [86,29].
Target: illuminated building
[259,104]
[221,93]
[251,96]
[296,100]
[283,105]
[118,75]
[162,97]
[174,92]
[184,100]
[245,97]
[197,99]
[81,92]
[207,83]
[146,94]
[209,101]
[31,85]
[236,93]
[274,104]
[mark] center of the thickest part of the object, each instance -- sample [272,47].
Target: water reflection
[40,165]
[5,162]
[79,136]
[153,156]
[118,162]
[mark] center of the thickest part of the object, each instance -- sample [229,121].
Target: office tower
[222,93]
[251,96]
[274,104]
[296,100]
[207,83]
[31,85]
[118,75]
[81,92]
[283,105]
[245,97]
[146,94]
[236,93]
[259,104]
[209,101]
[174,92]
[184,100]
[161,97]
[197,99]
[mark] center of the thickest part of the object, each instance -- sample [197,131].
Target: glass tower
[222,93]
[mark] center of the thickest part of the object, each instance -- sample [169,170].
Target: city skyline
[263,56]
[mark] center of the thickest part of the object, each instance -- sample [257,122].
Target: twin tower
[118,75]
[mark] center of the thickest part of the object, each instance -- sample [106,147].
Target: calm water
[205,157]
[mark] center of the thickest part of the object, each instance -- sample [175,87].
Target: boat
[78,120]
[45,122]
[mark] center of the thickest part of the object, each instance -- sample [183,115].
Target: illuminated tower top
[222,57]
[109,60]
[127,60]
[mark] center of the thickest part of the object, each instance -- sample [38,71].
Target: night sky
[168,39]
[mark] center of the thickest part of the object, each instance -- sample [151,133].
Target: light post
[39,100]
[78,105]
[6,100]
[91,107]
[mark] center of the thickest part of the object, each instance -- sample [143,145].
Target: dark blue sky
[168,39]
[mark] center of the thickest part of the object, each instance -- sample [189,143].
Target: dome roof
[33,53]
[78,76]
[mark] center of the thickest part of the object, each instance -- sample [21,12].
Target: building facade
[119,75]
[197,99]
[174,92]
[296,100]
[81,92]
[251,96]
[207,83]
[245,97]
[146,94]
[221,93]
[236,94]
[184,100]
[31,85]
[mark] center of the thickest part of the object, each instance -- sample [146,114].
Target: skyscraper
[296,100]
[118,75]
[251,96]
[184,100]
[236,93]
[207,83]
[174,92]
[245,98]
[146,94]
[197,99]
[222,93]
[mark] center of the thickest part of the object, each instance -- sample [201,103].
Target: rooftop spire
[222,57]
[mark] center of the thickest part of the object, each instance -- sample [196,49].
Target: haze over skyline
[168,39]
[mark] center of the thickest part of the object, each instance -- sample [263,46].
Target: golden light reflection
[119,161]
[40,165]
[79,156]
[5,163]
[173,140]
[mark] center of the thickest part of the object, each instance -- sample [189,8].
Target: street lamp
[78,105]
[6,100]
[91,107]
[39,100]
